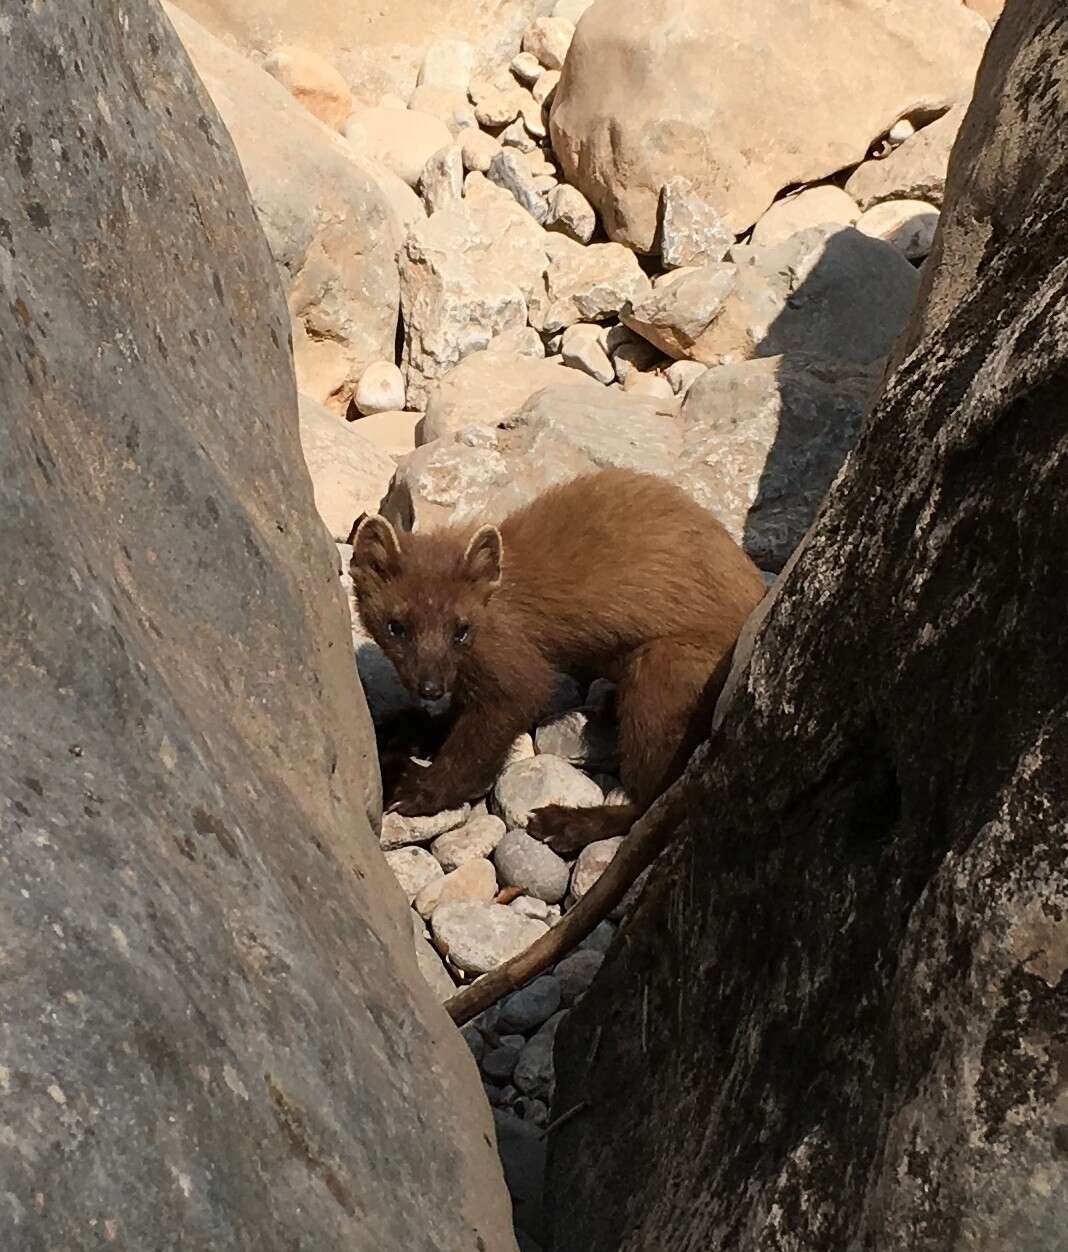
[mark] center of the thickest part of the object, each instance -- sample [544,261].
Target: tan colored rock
[474,880]
[533,116]
[478,150]
[990,9]
[683,374]
[329,223]
[497,104]
[677,318]
[638,384]
[692,231]
[540,165]
[314,82]
[479,937]
[909,225]
[350,474]
[430,964]
[442,181]
[584,347]
[516,136]
[393,432]
[402,140]
[546,85]
[380,389]
[548,39]
[630,352]
[592,862]
[448,65]
[486,388]
[829,291]
[452,108]
[527,68]
[400,832]
[377,47]
[468,275]
[672,276]
[815,206]
[473,841]
[900,131]
[572,10]
[638,104]
[571,214]
[586,284]
[510,173]
[414,869]
[914,171]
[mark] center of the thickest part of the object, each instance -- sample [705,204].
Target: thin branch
[564,1118]
[647,839]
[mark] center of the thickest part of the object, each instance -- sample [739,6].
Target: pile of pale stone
[533,347]
[579,252]
[501,216]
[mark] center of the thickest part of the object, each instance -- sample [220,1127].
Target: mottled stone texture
[212,1033]
[840,1016]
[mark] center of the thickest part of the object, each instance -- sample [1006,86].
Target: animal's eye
[397,629]
[462,633]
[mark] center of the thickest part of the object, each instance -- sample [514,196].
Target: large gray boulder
[214,1033]
[840,1013]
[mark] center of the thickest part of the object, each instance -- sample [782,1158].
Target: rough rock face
[331,227]
[637,104]
[214,1034]
[378,47]
[840,1015]
[991,188]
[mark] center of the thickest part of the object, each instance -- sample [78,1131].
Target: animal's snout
[431,689]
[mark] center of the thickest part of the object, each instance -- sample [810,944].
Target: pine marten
[615,573]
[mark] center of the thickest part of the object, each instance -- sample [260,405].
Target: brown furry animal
[615,573]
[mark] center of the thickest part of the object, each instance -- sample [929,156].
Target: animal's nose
[431,690]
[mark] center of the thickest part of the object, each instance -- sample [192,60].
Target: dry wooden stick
[647,839]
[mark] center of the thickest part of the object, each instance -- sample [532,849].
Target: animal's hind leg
[667,693]
[567,830]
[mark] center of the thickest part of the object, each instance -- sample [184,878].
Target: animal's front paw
[559,828]
[418,794]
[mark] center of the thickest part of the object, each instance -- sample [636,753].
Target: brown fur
[616,573]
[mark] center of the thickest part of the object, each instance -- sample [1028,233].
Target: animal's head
[423,599]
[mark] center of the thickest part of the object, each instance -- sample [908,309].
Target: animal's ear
[483,557]
[375,549]
[351,540]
